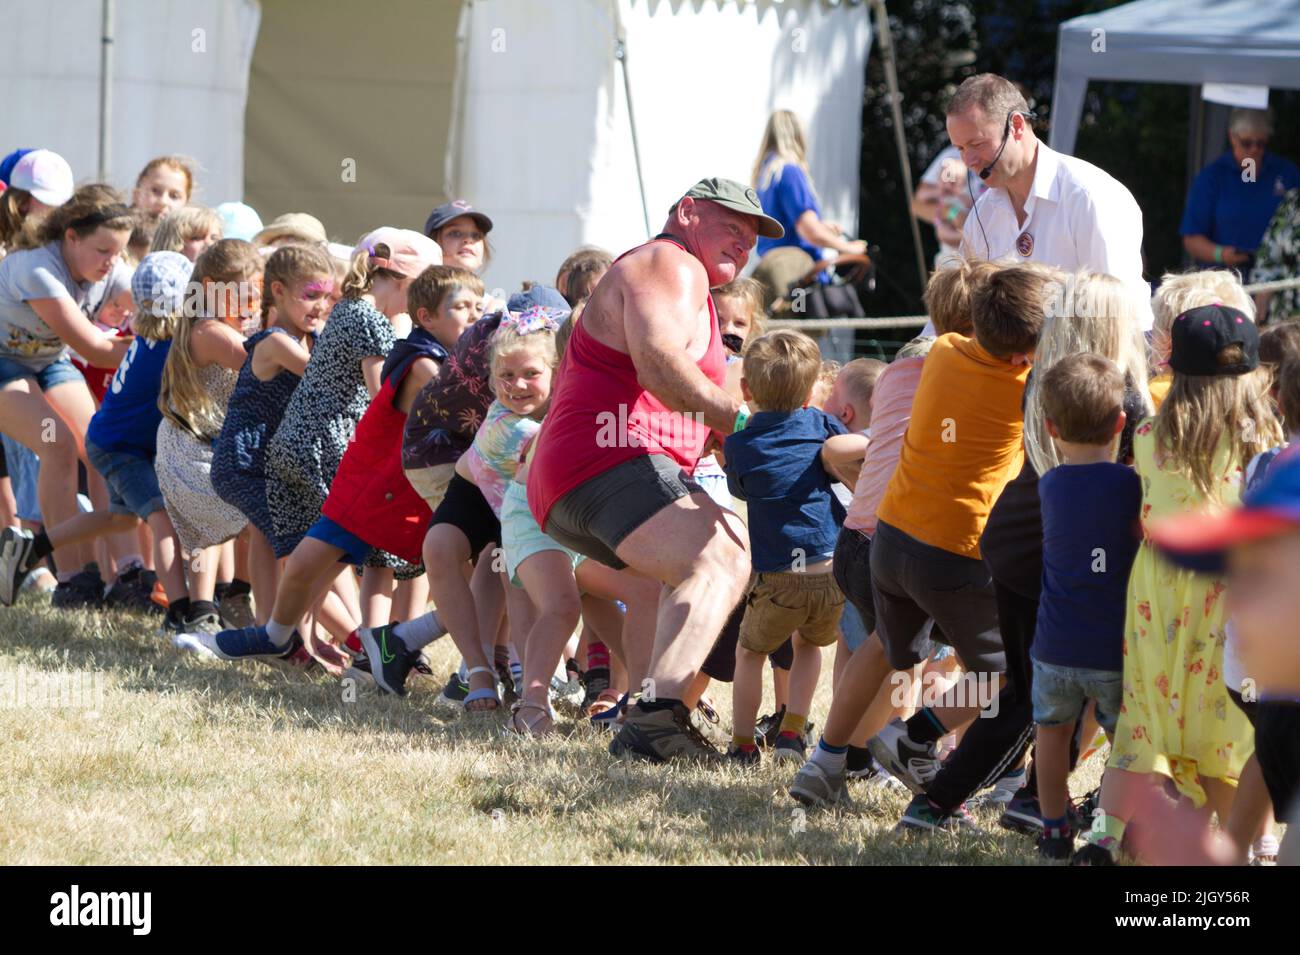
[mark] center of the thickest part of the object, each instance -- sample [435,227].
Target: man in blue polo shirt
[1233,198]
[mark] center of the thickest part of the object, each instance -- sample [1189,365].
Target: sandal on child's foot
[541,724]
[483,695]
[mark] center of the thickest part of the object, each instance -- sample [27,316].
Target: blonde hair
[428,289]
[288,265]
[1203,412]
[507,340]
[182,398]
[781,369]
[184,225]
[949,293]
[1179,292]
[1097,314]
[362,271]
[783,144]
[859,377]
[750,292]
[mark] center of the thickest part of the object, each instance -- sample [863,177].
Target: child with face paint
[298,284]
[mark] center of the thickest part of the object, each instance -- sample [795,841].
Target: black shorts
[852,570]
[1277,746]
[465,508]
[917,588]
[599,513]
[1249,707]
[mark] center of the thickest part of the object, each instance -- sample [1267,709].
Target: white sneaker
[1002,791]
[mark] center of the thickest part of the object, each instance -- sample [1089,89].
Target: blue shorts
[355,550]
[131,479]
[851,626]
[57,372]
[1060,692]
[24,468]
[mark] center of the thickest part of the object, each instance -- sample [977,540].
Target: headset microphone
[1006,131]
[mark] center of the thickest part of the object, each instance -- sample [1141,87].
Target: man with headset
[1041,205]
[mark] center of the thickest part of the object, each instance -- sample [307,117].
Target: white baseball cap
[46,175]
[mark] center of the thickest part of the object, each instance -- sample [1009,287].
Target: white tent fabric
[544,142]
[175,90]
[1174,41]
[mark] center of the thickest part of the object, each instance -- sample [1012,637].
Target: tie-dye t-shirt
[493,458]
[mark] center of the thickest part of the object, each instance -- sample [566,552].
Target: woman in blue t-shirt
[786,192]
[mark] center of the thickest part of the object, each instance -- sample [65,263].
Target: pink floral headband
[539,318]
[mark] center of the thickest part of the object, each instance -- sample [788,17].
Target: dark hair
[1288,391]
[1279,342]
[1083,395]
[1008,311]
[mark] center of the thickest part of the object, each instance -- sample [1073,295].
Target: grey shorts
[598,514]
[920,591]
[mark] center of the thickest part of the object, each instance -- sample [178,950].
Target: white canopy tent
[180,78]
[543,139]
[1174,41]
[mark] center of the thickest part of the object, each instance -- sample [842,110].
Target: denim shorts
[24,469]
[131,479]
[58,372]
[1060,692]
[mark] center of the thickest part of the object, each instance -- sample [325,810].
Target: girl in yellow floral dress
[1176,722]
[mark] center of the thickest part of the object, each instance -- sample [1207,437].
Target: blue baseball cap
[7,164]
[1201,542]
[239,221]
[539,296]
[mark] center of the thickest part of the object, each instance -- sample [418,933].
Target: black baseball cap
[1200,334]
[440,216]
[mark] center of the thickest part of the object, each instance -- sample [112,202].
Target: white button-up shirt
[1077,216]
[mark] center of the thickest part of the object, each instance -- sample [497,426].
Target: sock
[517,671]
[421,631]
[501,655]
[830,758]
[199,608]
[597,656]
[662,703]
[858,759]
[178,609]
[1058,827]
[280,633]
[925,727]
[238,588]
[353,643]
[41,548]
[462,672]
[792,724]
[743,742]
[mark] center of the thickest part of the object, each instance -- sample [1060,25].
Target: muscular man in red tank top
[636,395]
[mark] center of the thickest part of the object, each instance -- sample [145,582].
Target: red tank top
[600,416]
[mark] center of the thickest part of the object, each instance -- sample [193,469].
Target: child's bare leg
[864,674]
[696,689]
[781,687]
[204,565]
[239,547]
[167,556]
[264,571]
[145,542]
[226,562]
[548,579]
[641,596]
[411,598]
[332,613]
[376,596]
[893,699]
[1251,815]
[1052,752]
[306,574]
[746,694]
[446,549]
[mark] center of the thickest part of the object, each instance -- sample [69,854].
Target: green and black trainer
[390,659]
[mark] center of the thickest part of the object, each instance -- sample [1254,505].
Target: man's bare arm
[660,318]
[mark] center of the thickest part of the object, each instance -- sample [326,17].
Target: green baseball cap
[738,197]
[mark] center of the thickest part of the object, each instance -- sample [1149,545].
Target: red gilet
[370,496]
[600,417]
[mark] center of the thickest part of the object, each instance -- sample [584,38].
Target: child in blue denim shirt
[775,465]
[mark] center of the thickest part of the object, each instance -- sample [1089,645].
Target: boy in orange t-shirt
[963,444]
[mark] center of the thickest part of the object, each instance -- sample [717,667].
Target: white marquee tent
[520,106]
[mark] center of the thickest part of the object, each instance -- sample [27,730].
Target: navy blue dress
[239,452]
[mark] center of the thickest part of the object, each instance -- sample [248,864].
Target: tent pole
[105,89]
[886,42]
[620,54]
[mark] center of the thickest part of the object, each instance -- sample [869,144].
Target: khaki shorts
[780,603]
[431,483]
